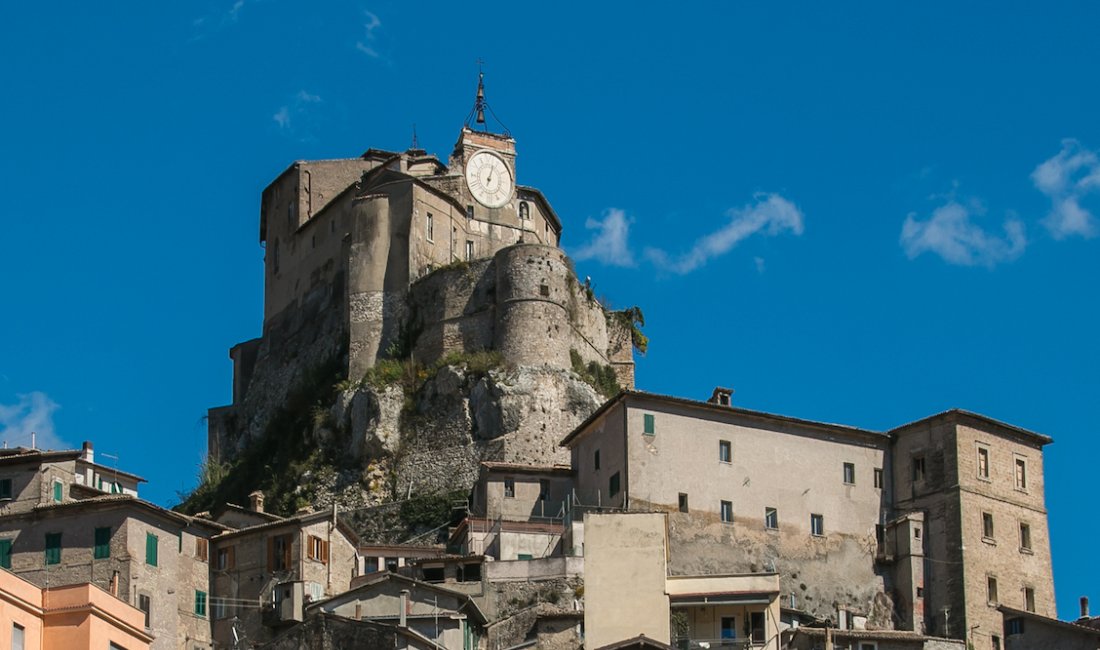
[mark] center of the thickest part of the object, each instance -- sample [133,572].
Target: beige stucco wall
[606,436]
[624,582]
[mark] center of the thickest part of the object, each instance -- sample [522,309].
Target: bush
[601,377]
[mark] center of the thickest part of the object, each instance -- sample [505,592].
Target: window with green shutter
[200,603]
[57,491]
[53,548]
[150,549]
[102,543]
[5,553]
[5,488]
[650,428]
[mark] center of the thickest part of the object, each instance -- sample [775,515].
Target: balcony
[687,643]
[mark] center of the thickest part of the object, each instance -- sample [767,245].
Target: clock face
[489,179]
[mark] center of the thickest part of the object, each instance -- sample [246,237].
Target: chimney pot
[256,500]
[404,607]
[1084,606]
[721,396]
[87,452]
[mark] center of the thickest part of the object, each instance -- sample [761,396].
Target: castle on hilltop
[396,254]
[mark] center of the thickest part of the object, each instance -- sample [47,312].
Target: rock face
[435,437]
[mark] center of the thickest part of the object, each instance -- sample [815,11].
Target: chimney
[1084,606]
[87,453]
[114,584]
[721,396]
[404,607]
[256,499]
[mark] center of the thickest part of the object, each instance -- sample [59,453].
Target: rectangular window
[429,227]
[5,488]
[102,543]
[17,637]
[996,642]
[370,564]
[987,525]
[200,603]
[1029,599]
[146,607]
[1021,474]
[682,502]
[725,451]
[224,560]
[5,553]
[878,478]
[469,250]
[1025,536]
[317,549]
[596,459]
[218,608]
[544,489]
[727,512]
[202,549]
[756,628]
[918,468]
[849,473]
[613,485]
[868,645]
[151,549]
[433,574]
[771,518]
[57,491]
[817,525]
[729,627]
[53,548]
[509,488]
[983,462]
[991,590]
[278,553]
[1014,626]
[469,212]
[525,556]
[648,425]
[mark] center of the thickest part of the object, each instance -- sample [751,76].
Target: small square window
[725,451]
[849,473]
[983,463]
[817,525]
[1014,626]
[727,512]
[5,488]
[771,518]
[613,485]
[683,502]
[878,478]
[987,525]
[920,592]
[648,424]
[509,488]
[1025,536]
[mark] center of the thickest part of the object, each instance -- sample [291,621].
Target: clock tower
[486,161]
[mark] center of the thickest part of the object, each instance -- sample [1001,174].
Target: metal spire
[477,113]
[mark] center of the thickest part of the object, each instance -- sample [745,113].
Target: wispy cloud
[218,20]
[1066,179]
[368,44]
[32,412]
[289,115]
[610,244]
[952,234]
[770,214]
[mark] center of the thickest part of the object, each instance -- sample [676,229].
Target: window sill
[1026,551]
[817,535]
[725,462]
[847,484]
[989,540]
[771,529]
[984,479]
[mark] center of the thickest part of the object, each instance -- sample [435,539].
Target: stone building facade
[398,254]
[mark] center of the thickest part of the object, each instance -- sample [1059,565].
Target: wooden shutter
[324,552]
[232,557]
[287,543]
[270,553]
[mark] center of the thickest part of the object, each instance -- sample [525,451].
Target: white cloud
[771,214]
[610,244]
[290,114]
[366,45]
[951,234]
[1066,179]
[32,412]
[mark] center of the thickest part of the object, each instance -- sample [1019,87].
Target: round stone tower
[533,295]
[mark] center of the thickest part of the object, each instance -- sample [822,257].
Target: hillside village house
[72,521]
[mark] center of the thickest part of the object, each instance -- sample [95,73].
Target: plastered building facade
[901,530]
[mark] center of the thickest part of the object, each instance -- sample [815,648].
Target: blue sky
[855,213]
